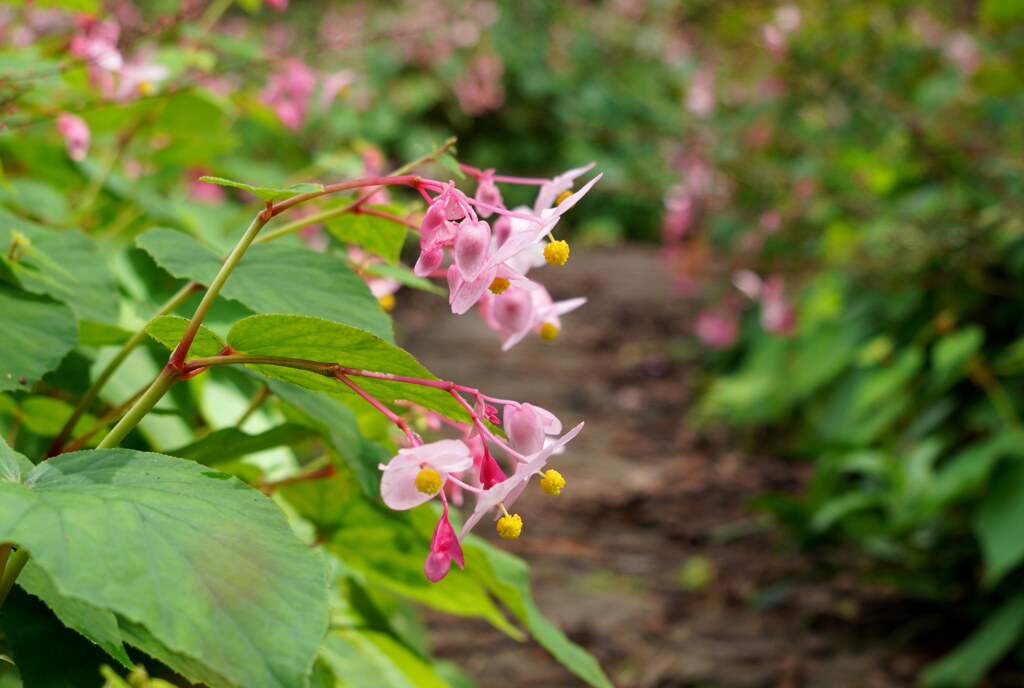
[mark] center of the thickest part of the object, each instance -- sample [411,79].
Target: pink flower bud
[76,135]
[471,244]
[526,426]
[444,547]
[428,262]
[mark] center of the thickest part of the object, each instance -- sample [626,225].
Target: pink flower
[444,548]
[277,5]
[527,425]
[97,44]
[563,182]
[407,481]
[508,490]
[487,192]
[471,247]
[777,313]
[76,135]
[718,328]
[520,310]
[139,77]
[288,92]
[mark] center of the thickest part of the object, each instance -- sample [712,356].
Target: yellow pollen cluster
[557,252]
[562,196]
[552,482]
[510,526]
[146,88]
[387,302]
[428,481]
[499,285]
[548,331]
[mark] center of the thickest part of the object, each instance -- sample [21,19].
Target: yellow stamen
[548,331]
[428,481]
[552,482]
[557,252]
[387,302]
[562,196]
[510,526]
[146,88]
[499,285]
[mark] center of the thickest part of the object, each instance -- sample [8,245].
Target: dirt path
[649,558]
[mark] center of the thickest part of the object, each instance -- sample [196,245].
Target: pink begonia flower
[277,5]
[472,242]
[96,43]
[748,283]
[288,92]
[718,328]
[76,135]
[700,96]
[527,425]
[520,310]
[548,193]
[777,313]
[398,484]
[331,86]
[530,233]
[444,547]
[507,491]
[139,77]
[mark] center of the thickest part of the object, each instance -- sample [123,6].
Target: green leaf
[375,234]
[953,353]
[100,334]
[37,333]
[98,625]
[269,194]
[13,465]
[66,265]
[45,416]
[999,521]
[169,329]
[203,573]
[972,659]
[997,14]
[507,578]
[295,336]
[274,278]
[230,443]
[368,658]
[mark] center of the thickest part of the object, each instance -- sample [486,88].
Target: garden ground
[651,558]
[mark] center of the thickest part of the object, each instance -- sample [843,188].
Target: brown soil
[650,558]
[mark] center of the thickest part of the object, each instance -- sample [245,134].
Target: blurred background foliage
[839,182]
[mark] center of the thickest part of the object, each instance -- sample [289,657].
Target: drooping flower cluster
[447,468]
[490,260]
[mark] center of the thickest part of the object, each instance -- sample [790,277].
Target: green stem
[163,382]
[90,394]
[178,357]
[5,552]
[256,402]
[213,14]
[11,571]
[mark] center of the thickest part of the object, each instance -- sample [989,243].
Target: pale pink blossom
[76,135]
[139,77]
[523,309]
[288,92]
[398,483]
[527,426]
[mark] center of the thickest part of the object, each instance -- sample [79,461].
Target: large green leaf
[230,443]
[37,334]
[201,570]
[507,578]
[295,336]
[66,265]
[274,278]
[375,234]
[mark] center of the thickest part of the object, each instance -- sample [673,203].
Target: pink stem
[414,439]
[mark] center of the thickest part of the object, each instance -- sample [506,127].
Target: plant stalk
[11,571]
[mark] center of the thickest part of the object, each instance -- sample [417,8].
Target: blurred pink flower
[288,92]
[480,89]
[718,328]
[76,135]
[777,313]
